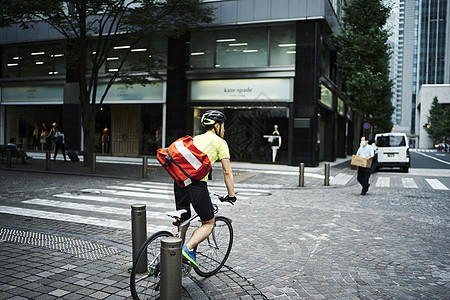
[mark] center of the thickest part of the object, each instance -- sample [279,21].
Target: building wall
[425,99]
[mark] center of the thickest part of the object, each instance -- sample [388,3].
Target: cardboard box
[360,161]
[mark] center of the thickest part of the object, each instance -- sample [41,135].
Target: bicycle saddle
[176,214]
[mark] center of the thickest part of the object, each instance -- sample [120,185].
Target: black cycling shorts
[196,194]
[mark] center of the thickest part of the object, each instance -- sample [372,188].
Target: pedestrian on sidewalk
[366,151]
[59,140]
[22,154]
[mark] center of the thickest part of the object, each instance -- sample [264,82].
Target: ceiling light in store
[225,40]
[287,45]
[12,65]
[94,52]
[122,47]
[37,53]
[17,57]
[217,66]
[52,73]
[113,70]
[238,44]
[250,51]
[39,63]
[291,52]
[197,53]
[57,55]
[112,58]
[139,50]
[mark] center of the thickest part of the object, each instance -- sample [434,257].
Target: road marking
[383,182]
[19,211]
[409,183]
[166,205]
[439,160]
[436,184]
[92,208]
[341,179]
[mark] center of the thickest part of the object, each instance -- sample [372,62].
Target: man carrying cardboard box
[366,152]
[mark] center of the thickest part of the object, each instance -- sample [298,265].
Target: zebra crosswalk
[410,183]
[109,206]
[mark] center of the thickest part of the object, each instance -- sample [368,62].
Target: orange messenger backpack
[184,162]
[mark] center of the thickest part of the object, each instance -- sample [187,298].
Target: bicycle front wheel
[213,252]
[145,274]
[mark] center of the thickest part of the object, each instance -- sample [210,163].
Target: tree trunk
[89,136]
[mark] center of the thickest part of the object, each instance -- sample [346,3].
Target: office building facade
[263,63]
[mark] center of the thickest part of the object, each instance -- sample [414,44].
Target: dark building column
[177,92]
[304,132]
[71,115]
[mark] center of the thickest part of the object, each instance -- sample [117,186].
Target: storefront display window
[249,132]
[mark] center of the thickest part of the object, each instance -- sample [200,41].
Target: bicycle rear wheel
[213,252]
[145,284]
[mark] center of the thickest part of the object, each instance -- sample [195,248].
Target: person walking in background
[366,151]
[59,140]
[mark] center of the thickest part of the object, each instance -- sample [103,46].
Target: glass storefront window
[242,48]
[247,132]
[282,46]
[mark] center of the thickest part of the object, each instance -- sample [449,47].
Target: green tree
[363,62]
[438,121]
[94,27]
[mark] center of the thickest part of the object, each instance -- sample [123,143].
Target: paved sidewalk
[38,262]
[253,174]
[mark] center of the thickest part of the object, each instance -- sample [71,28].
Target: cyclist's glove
[228,199]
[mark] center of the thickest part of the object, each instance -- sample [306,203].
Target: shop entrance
[248,131]
[125,130]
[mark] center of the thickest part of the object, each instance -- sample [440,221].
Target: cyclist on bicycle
[212,144]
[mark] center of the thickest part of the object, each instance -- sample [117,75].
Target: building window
[243,48]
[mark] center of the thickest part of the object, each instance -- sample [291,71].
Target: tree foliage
[439,121]
[363,61]
[94,27]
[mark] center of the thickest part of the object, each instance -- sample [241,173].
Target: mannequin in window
[276,142]
[105,140]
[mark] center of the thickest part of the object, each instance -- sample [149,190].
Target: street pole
[327,175]
[47,160]
[170,268]
[139,234]
[301,177]
[144,167]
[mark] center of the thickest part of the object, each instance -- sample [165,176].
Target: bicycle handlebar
[227,199]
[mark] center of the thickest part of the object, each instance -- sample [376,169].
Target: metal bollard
[144,166]
[93,168]
[8,158]
[301,177]
[327,175]
[47,160]
[170,268]
[139,234]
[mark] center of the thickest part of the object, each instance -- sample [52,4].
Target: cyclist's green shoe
[189,255]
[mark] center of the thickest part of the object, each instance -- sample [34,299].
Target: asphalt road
[430,160]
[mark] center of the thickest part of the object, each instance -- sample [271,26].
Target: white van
[393,150]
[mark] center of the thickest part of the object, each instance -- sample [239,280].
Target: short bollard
[8,158]
[139,234]
[301,176]
[170,268]
[47,160]
[94,166]
[327,175]
[144,166]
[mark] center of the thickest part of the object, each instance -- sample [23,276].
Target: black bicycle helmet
[212,117]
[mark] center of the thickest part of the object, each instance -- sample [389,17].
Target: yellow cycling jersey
[212,145]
